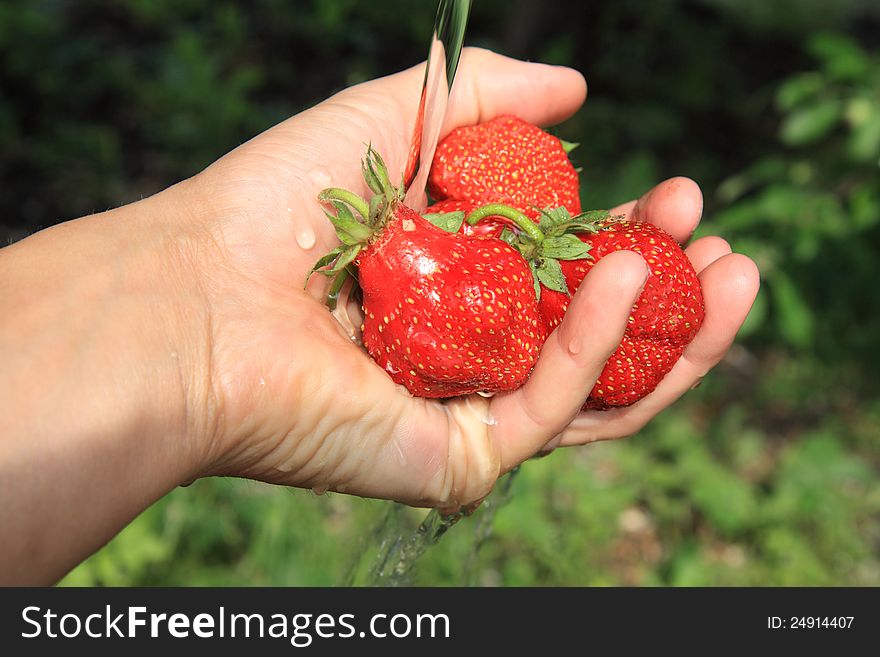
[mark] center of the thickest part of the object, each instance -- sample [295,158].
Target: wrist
[103,377]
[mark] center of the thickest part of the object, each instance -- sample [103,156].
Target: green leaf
[449,221]
[864,141]
[794,317]
[564,247]
[536,281]
[587,222]
[377,206]
[799,89]
[370,174]
[550,274]
[811,123]
[343,212]
[349,230]
[508,236]
[347,258]
[336,288]
[864,207]
[841,57]
[551,217]
[592,216]
[325,260]
[568,146]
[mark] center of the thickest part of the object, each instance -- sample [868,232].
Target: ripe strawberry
[665,317]
[505,160]
[445,314]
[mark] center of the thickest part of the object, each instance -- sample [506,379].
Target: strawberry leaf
[325,260]
[349,231]
[564,247]
[591,216]
[536,279]
[568,146]
[370,174]
[336,288]
[343,212]
[377,206]
[552,217]
[550,274]
[346,258]
[508,236]
[448,221]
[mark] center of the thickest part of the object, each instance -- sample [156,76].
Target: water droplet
[262,381]
[305,236]
[575,346]
[319,490]
[320,176]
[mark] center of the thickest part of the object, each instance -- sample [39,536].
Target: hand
[172,338]
[296,402]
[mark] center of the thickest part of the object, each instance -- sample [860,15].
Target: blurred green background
[766,475]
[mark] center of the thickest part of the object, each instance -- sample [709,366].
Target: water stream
[393,548]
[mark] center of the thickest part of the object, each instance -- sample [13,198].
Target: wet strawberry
[445,314]
[665,317]
[505,160]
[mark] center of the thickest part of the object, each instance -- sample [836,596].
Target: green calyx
[568,146]
[356,221]
[544,244]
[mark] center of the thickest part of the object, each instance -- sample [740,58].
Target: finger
[490,85]
[706,250]
[675,205]
[571,359]
[730,285]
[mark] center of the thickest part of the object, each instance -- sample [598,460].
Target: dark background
[767,475]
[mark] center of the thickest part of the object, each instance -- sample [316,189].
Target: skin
[171,339]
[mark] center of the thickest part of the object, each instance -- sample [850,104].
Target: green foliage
[809,212]
[766,475]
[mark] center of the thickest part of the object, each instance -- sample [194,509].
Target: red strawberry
[445,314]
[664,319]
[506,160]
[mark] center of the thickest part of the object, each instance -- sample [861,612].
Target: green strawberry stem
[522,222]
[544,244]
[355,201]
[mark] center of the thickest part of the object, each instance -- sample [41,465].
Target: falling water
[397,548]
[393,548]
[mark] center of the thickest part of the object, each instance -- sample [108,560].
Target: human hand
[282,394]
